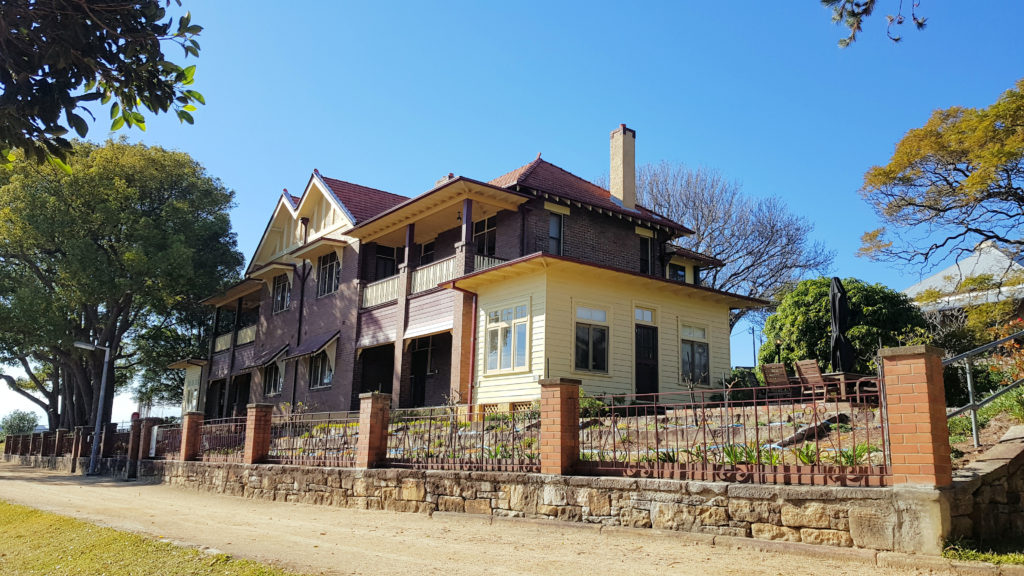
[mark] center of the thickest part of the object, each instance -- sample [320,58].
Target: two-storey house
[469,293]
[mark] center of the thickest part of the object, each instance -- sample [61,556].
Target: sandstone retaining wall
[988,495]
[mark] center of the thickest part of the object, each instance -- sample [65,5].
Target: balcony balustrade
[485,262]
[222,342]
[246,335]
[429,276]
[380,292]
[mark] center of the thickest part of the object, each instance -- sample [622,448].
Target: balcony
[246,335]
[485,262]
[222,342]
[428,277]
[380,292]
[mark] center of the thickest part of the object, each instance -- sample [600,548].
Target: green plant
[591,407]
[806,454]
[853,456]
[735,454]
[844,427]
[771,457]
[1002,553]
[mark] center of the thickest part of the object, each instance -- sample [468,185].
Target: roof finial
[315,171]
[285,190]
[538,155]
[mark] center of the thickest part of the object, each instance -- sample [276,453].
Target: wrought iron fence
[222,440]
[66,445]
[315,439]
[167,442]
[741,435]
[453,438]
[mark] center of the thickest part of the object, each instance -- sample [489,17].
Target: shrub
[18,422]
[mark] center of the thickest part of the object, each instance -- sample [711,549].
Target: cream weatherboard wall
[556,292]
[513,385]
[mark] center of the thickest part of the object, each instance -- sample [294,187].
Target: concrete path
[325,540]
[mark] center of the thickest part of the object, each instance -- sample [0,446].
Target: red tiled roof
[294,200]
[362,202]
[546,177]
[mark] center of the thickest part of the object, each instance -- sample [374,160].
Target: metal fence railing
[448,438]
[167,442]
[315,439]
[122,438]
[743,435]
[222,440]
[967,360]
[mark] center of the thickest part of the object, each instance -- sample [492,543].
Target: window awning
[266,357]
[314,344]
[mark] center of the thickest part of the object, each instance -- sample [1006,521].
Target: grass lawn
[34,542]
[1002,553]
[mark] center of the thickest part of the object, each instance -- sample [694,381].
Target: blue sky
[395,95]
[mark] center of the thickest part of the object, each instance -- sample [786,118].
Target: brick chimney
[623,168]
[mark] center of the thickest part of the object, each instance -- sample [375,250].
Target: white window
[645,315]
[508,338]
[328,271]
[320,372]
[273,379]
[591,339]
[282,293]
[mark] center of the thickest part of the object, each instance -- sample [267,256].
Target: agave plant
[806,454]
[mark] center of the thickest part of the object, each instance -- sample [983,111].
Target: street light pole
[93,457]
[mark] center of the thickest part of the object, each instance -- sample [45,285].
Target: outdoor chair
[776,382]
[812,382]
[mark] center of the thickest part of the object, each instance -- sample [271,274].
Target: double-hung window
[694,363]
[281,293]
[327,272]
[591,339]
[386,262]
[677,272]
[273,379]
[508,338]
[485,236]
[427,253]
[555,226]
[320,373]
[646,255]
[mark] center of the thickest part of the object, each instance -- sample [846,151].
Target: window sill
[318,388]
[319,296]
[506,372]
[589,373]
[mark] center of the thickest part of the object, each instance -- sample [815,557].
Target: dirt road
[340,541]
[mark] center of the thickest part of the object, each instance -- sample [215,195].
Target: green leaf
[53,160]
[195,96]
[137,117]
[117,124]
[185,117]
[189,108]
[115,110]
[141,125]
[189,72]
[78,123]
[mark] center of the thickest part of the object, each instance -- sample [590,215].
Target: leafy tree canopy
[18,422]
[129,243]
[879,316]
[59,55]
[950,184]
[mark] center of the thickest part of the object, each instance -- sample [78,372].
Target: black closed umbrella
[842,351]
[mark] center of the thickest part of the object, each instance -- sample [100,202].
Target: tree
[765,247]
[950,184]
[60,55]
[851,13]
[132,240]
[17,422]
[879,316]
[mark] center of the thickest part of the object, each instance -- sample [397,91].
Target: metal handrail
[973,406]
[980,349]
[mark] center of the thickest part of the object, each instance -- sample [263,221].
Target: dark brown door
[646,359]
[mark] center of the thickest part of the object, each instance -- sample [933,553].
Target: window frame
[320,365]
[328,273]
[285,297]
[509,325]
[692,341]
[488,234]
[646,255]
[385,258]
[675,277]
[278,381]
[427,256]
[560,239]
[593,325]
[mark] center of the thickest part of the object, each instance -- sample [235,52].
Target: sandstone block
[598,502]
[812,515]
[754,511]
[826,537]
[451,504]
[773,532]
[873,528]
[478,506]
[413,489]
[635,518]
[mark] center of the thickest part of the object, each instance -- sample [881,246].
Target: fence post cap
[259,406]
[367,395]
[192,413]
[918,350]
[560,382]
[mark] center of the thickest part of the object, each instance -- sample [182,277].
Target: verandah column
[916,401]
[191,430]
[559,425]
[374,415]
[257,432]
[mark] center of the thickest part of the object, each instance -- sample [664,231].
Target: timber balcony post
[191,432]
[257,432]
[374,416]
[916,404]
[559,425]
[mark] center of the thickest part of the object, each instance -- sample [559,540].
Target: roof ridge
[580,178]
[362,186]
